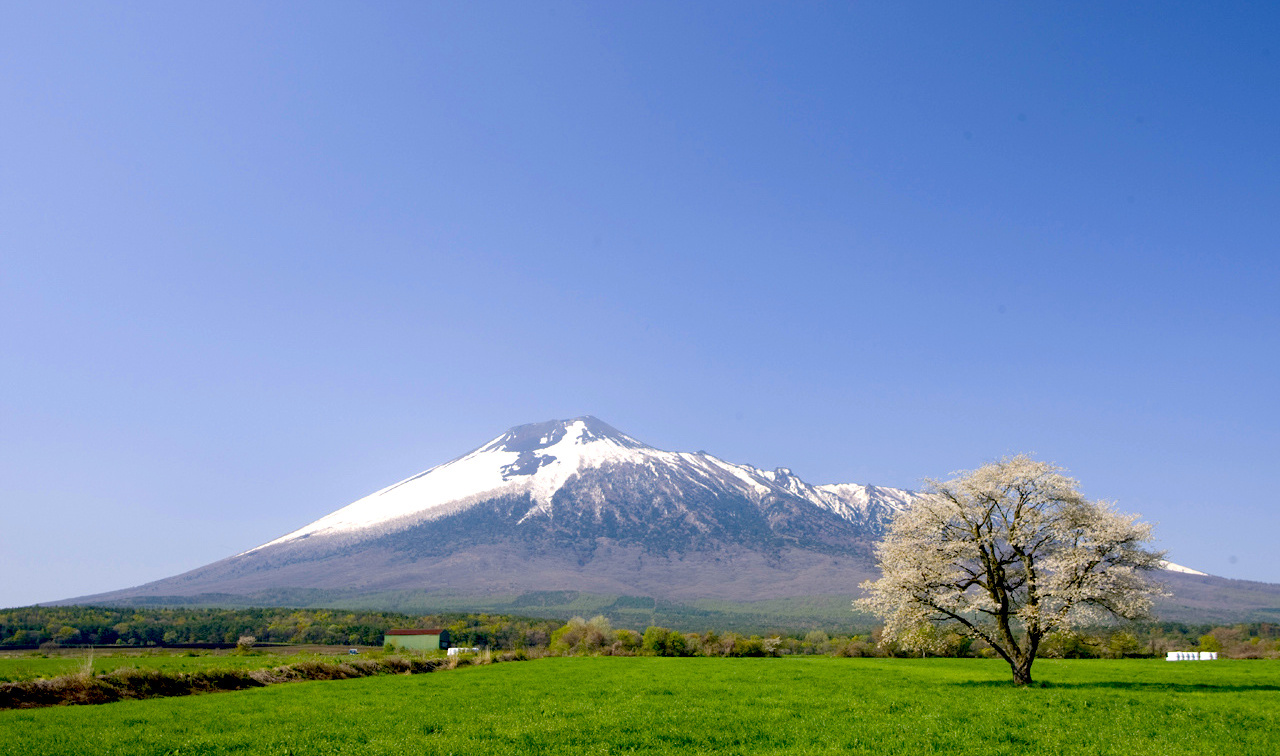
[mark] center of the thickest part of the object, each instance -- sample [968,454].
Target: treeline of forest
[597,636]
[130,626]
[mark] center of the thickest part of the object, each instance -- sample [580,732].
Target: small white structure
[1191,656]
[459,650]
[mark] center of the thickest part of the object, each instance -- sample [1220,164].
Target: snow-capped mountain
[585,469]
[575,504]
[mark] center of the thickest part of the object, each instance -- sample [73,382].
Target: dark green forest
[133,626]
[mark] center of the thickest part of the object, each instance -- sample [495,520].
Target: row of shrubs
[597,637]
[134,682]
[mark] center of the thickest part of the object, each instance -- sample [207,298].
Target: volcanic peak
[580,430]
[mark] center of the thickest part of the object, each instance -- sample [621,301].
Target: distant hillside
[1210,599]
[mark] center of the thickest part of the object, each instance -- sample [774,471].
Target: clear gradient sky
[257,262]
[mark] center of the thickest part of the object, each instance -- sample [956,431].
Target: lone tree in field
[1008,553]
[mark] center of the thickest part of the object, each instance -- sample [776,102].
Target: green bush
[654,641]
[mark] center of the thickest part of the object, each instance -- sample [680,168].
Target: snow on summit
[538,459]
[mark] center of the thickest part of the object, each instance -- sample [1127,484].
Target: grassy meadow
[803,705]
[16,667]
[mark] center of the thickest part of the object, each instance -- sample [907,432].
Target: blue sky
[258,262]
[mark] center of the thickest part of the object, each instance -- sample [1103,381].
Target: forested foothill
[130,626]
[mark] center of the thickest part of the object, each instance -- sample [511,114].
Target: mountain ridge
[571,505]
[540,459]
[577,505]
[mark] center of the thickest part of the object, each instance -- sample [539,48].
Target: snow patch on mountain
[850,500]
[1171,567]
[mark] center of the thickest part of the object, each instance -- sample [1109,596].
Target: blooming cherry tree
[1008,553]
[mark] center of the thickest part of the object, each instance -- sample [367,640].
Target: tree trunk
[1022,671]
[1022,667]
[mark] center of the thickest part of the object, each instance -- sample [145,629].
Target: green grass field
[15,667]
[803,705]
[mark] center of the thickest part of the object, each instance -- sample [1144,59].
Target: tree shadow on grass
[1143,686]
